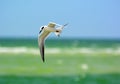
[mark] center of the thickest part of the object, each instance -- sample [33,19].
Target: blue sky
[86,18]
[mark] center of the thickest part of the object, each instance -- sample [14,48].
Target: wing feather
[41,42]
[41,47]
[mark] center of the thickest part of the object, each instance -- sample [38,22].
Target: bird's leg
[58,31]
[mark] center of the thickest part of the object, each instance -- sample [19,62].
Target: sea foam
[82,50]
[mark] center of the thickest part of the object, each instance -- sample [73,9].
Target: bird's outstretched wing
[41,47]
[41,42]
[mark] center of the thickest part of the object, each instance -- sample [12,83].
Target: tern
[44,32]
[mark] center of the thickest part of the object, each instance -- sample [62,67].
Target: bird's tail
[61,28]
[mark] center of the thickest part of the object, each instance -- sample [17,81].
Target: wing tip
[43,60]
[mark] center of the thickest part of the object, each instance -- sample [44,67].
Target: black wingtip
[43,59]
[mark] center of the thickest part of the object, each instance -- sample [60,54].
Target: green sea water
[64,67]
[60,43]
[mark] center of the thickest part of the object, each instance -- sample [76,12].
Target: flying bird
[44,32]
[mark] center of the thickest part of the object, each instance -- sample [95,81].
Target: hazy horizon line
[29,37]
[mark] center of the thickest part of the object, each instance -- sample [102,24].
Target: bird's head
[41,29]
